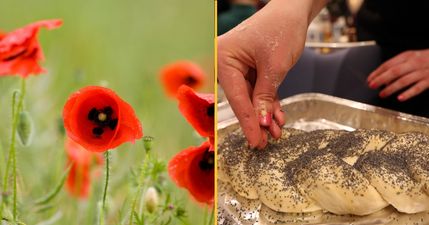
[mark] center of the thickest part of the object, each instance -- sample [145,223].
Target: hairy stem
[106,185]
[211,222]
[140,188]
[16,109]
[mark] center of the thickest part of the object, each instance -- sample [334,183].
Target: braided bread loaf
[357,172]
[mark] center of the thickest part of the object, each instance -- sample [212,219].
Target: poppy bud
[25,128]
[151,199]
[147,143]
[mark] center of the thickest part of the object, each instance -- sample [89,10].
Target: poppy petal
[198,109]
[186,170]
[79,178]
[22,35]
[130,127]
[20,51]
[77,153]
[123,126]
[181,73]
[212,143]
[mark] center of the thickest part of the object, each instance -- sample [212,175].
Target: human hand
[253,60]
[409,70]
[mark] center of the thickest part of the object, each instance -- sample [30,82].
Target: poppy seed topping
[358,172]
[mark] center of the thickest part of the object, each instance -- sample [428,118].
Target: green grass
[119,43]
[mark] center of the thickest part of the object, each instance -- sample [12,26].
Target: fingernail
[401,98]
[382,95]
[265,119]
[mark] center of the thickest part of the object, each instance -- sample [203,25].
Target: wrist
[303,10]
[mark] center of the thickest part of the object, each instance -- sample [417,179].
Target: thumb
[264,95]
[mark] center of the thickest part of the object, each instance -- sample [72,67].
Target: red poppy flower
[198,109]
[79,178]
[99,120]
[212,143]
[20,50]
[193,169]
[181,73]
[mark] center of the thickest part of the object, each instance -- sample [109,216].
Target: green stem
[211,217]
[140,188]
[12,145]
[106,185]
[143,181]
[205,215]
[9,160]
[12,150]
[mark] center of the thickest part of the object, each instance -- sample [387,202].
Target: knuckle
[395,71]
[264,97]
[406,80]
[416,89]
[280,67]
[237,96]
[420,61]
[403,82]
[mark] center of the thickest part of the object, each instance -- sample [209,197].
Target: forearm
[305,10]
[317,6]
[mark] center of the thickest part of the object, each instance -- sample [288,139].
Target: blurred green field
[121,44]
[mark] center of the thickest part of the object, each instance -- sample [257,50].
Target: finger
[251,80]
[279,115]
[392,74]
[416,89]
[388,64]
[249,89]
[264,95]
[264,140]
[251,76]
[236,91]
[401,83]
[275,130]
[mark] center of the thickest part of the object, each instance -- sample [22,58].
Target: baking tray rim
[309,96]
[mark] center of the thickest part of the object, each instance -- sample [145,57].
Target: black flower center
[207,162]
[190,80]
[102,118]
[210,110]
